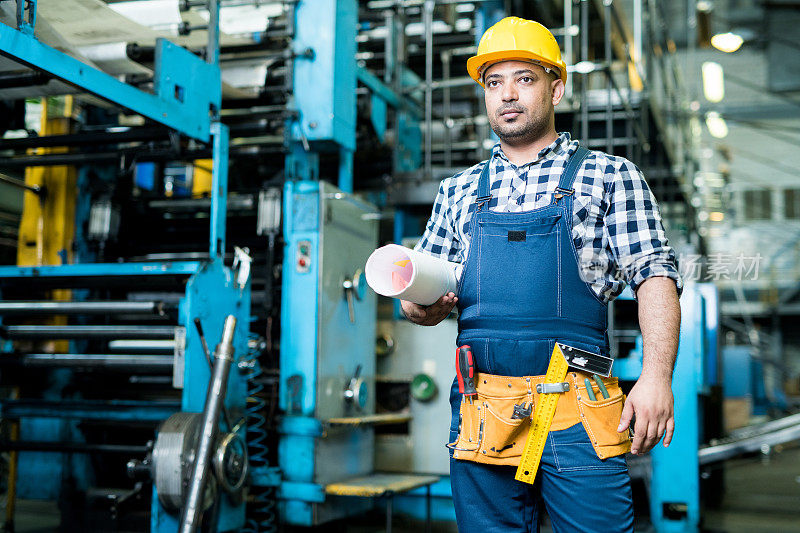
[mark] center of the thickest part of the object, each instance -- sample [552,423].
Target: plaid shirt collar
[557,148]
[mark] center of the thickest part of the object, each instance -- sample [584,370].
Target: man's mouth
[511,113]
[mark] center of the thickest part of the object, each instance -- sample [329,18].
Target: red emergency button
[302,262]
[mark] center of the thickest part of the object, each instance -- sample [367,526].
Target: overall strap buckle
[561,192]
[482,200]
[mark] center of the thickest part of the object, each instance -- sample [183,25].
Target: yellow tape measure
[542,419]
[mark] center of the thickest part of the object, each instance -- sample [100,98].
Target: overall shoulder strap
[571,171]
[483,184]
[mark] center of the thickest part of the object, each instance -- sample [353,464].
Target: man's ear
[557,90]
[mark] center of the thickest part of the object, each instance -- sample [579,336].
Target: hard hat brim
[475,63]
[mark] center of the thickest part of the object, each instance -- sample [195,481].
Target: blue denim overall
[519,293]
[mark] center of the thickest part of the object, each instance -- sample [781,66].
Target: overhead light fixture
[584,67]
[704,6]
[713,82]
[727,42]
[716,125]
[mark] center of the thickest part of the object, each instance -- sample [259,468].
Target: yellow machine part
[201,179]
[47,227]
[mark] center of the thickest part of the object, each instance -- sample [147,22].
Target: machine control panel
[303,261]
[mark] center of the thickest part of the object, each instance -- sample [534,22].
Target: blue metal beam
[324,81]
[386,93]
[181,101]
[219,189]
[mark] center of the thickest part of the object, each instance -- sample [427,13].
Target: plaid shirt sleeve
[634,229]
[439,239]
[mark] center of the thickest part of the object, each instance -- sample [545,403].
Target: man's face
[520,98]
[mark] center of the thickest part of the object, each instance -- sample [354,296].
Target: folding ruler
[562,358]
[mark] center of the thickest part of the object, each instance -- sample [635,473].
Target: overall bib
[519,293]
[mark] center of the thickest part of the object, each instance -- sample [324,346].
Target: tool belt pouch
[489,433]
[601,417]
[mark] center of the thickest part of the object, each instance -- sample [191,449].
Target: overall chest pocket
[519,268]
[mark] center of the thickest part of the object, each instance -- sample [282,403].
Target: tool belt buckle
[552,388]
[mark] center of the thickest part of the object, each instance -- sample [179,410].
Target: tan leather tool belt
[488,433]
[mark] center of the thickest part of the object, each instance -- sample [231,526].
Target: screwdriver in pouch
[601,386]
[465,370]
[589,390]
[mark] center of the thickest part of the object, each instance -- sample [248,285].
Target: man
[547,233]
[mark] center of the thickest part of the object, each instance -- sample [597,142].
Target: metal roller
[38,308]
[120,362]
[142,346]
[72,447]
[83,332]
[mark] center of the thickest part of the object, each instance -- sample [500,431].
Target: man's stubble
[526,129]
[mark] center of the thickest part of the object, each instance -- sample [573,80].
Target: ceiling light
[713,82]
[716,216]
[584,67]
[716,125]
[727,42]
[704,6]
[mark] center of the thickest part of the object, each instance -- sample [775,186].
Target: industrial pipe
[121,362]
[101,158]
[37,308]
[72,447]
[87,138]
[215,398]
[35,189]
[83,332]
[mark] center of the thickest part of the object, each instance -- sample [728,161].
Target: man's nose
[509,93]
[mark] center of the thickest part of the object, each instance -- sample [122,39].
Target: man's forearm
[659,320]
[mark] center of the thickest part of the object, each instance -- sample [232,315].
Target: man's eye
[526,79]
[492,83]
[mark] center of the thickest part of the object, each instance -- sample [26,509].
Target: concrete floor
[761,495]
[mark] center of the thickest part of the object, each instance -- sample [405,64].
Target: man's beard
[518,132]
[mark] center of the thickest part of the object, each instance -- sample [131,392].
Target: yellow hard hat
[514,38]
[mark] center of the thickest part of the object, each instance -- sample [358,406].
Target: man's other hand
[429,315]
[651,400]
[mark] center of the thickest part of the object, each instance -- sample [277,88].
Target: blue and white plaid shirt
[617,228]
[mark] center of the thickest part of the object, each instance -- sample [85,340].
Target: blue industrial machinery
[186,97]
[675,499]
[759,392]
[327,350]
[323,89]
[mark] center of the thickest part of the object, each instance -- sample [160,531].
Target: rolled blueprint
[400,272]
